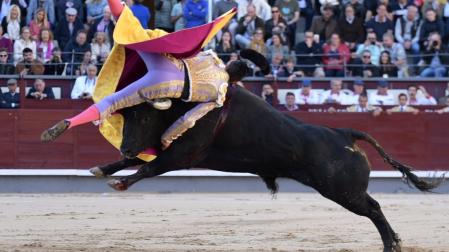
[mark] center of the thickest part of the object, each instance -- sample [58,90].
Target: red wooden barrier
[421,140]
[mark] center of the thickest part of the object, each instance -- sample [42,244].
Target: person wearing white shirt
[85,85]
[359,88]
[382,96]
[263,9]
[306,94]
[335,95]
[427,99]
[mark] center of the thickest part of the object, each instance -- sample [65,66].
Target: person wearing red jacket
[336,56]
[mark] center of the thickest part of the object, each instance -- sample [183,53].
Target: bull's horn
[161,104]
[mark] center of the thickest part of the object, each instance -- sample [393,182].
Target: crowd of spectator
[301,38]
[366,38]
[357,99]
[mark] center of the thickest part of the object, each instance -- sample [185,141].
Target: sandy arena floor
[213,222]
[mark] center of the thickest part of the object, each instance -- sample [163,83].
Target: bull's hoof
[97,172]
[118,185]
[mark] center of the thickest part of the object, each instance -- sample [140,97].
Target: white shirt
[376,99]
[312,98]
[423,101]
[263,9]
[340,98]
[353,99]
[83,85]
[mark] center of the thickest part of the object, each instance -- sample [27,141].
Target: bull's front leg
[149,170]
[109,169]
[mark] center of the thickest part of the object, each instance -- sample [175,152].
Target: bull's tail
[408,175]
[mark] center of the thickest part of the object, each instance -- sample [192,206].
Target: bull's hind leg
[365,205]
[109,169]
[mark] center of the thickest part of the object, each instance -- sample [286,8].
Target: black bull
[255,138]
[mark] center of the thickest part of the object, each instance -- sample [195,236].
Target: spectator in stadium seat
[5,7]
[350,28]
[386,68]
[362,106]
[45,45]
[162,18]
[40,92]
[268,94]
[397,53]
[407,30]
[277,47]
[10,99]
[177,14]
[382,96]
[22,43]
[402,107]
[380,24]
[85,85]
[12,23]
[335,95]
[63,5]
[308,57]
[399,9]
[47,5]
[336,56]
[426,98]
[359,88]
[100,47]
[431,24]
[55,66]
[5,42]
[247,25]
[75,49]
[290,12]
[81,68]
[288,70]
[290,103]
[5,66]
[371,44]
[263,9]
[104,24]
[29,65]
[68,27]
[38,23]
[436,5]
[257,43]
[306,94]
[325,25]
[357,6]
[94,10]
[363,67]
[276,21]
[276,66]
[435,56]
[225,47]
[195,13]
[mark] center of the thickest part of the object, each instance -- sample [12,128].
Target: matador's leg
[186,122]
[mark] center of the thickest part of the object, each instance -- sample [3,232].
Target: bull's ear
[162,104]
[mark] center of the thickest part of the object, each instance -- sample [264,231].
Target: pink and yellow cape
[124,66]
